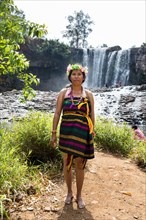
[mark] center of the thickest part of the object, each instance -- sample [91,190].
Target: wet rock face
[123,104]
[137,66]
[141,60]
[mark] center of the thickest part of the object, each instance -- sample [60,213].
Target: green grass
[24,144]
[13,166]
[118,139]
[112,137]
[138,153]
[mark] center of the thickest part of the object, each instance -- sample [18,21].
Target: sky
[115,22]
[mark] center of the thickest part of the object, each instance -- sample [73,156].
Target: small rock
[111,167]
[94,202]
[47,209]
[135,216]
[31,190]
[23,209]
[12,210]
[30,208]
[55,210]
[19,197]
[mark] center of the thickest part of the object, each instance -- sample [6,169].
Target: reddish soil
[114,189]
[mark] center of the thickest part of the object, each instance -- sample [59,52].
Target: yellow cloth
[87,114]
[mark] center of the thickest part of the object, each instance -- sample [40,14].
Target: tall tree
[13,29]
[78,29]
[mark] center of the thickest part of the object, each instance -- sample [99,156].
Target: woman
[76,129]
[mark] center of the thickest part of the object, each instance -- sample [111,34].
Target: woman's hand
[93,134]
[54,140]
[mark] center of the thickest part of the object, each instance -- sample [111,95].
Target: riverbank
[123,104]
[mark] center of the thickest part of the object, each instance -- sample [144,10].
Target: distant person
[138,134]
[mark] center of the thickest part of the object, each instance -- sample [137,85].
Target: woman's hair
[134,127]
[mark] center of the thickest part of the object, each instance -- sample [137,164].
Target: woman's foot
[80,203]
[69,199]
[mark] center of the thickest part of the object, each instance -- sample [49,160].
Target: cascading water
[108,68]
[122,69]
[85,64]
[98,67]
[85,57]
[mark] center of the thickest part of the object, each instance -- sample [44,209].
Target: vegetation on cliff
[46,53]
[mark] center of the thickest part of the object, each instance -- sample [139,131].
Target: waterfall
[85,57]
[85,64]
[98,67]
[110,68]
[122,67]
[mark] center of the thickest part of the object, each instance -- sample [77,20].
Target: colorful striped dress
[76,129]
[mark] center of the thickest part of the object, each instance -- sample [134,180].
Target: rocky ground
[114,189]
[123,104]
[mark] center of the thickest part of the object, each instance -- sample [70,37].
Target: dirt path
[114,189]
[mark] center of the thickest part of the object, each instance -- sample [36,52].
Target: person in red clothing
[138,134]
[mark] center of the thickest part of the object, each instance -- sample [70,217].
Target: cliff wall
[50,67]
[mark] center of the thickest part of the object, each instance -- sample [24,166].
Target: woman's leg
[79,181]
[68,180]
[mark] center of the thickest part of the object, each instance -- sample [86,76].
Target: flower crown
[76,67]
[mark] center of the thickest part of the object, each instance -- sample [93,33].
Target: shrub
[13,167]
[138,153]
[32,134]
[27,140]
[113,137]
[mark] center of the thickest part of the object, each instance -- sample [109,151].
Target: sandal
[68,199]
[80,203]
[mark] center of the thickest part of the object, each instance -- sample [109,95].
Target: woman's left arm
[91,98]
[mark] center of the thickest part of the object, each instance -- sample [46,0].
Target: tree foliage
[49,54]
[48,48]
[13,30]
[78,29]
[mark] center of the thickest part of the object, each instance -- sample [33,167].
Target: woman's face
[77,77]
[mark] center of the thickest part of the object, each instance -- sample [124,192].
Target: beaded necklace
[72,99]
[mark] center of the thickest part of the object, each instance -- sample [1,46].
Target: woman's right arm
[57,114]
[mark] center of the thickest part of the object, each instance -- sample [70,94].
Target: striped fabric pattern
[75,138]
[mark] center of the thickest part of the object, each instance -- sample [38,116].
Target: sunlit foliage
[13,30]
